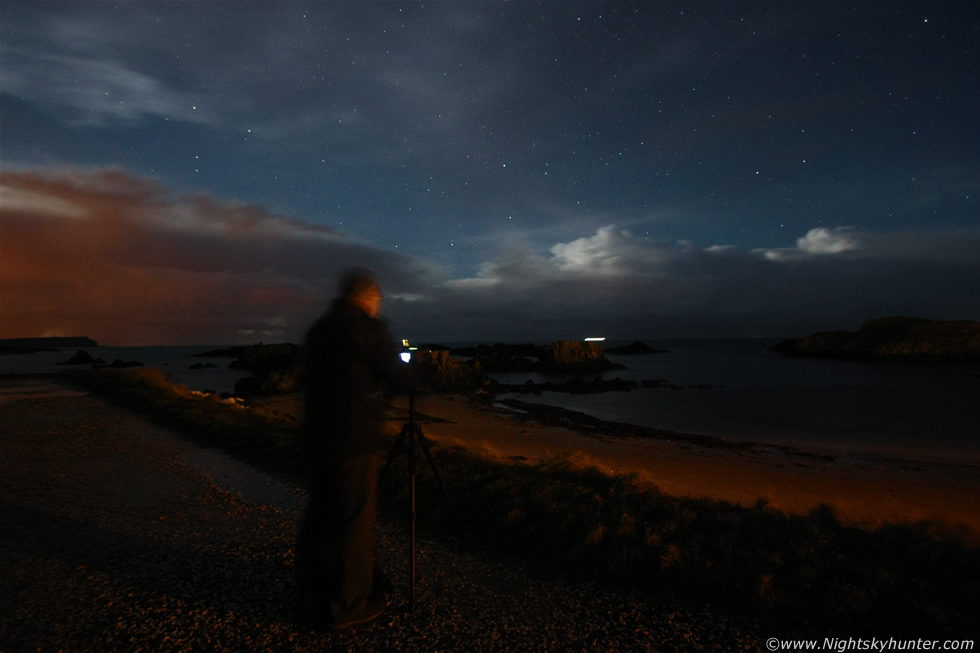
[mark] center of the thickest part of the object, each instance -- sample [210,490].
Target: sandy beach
[863,491]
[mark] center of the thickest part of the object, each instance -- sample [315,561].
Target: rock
[438,371]
[635,349]
[82,357]
[565,356]
[501,363]
[572,356]
[275,369]
[116,365]
[893,338]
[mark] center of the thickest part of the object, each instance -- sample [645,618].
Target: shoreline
[588,424]
[862,491]
[865,491]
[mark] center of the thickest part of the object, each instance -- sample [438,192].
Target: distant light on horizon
[594,339]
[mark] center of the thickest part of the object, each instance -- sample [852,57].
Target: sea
[728,388]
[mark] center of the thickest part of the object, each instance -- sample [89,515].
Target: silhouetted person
[349,353]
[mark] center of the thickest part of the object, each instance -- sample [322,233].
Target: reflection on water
[897,409]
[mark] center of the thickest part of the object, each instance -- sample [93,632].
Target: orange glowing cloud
[121,259]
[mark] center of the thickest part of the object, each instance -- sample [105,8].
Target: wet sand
[863,491]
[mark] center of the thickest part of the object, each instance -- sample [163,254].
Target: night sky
[200,172]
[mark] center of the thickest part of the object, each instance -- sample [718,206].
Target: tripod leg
[435,472]
[394,450]
[411,474]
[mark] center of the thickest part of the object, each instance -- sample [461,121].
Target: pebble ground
[111,540]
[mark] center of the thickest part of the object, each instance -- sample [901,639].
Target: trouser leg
[353,540]
[336,548]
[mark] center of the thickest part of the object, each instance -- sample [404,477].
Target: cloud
[96,91]
[357,78]
[600,254]
[19,200]
[623,286]
[818,241]
[121,259]
[125,260]
[827,241]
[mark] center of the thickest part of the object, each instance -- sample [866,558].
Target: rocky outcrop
[500,363]
[437,371]
[562,357]
[117,364]
[635,349]
[893,338]
[82,357]
[572,356]
[501,358]
[275,369]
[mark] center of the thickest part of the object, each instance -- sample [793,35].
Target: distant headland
[894,339]
[33,345]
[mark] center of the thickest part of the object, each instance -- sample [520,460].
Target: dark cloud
[122,259]
[127,261]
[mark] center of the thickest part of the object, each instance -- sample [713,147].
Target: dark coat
[349,356]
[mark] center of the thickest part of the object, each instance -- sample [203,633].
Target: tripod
[412,432]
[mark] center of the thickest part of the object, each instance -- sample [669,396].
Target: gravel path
[113,538]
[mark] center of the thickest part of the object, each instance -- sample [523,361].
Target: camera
[407,352]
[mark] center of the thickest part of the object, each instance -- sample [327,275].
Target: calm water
[846,407]
[175,361]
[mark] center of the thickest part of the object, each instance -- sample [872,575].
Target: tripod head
[408,375]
